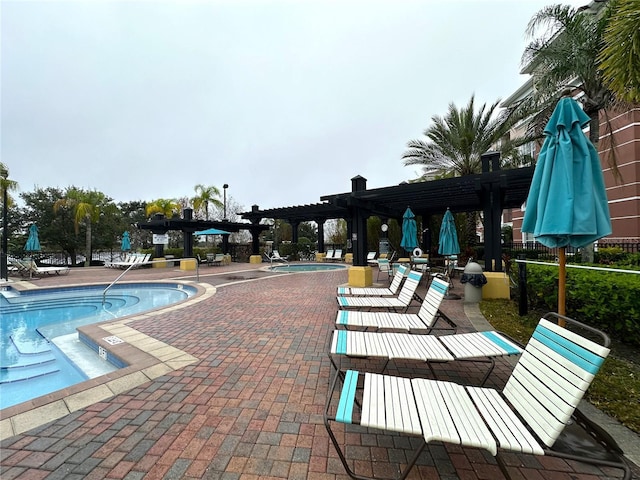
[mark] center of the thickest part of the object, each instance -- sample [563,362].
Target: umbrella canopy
[33,243]
[567,202]
[125,245]
[409,231]
[448,240]
[211,231]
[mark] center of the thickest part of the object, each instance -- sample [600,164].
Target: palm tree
[86,207]
[205,196]
[563,52]
[6,184]
[456,142]
[620,57]
[165,206]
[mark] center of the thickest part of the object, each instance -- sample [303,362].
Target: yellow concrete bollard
[497,285]
[188,264]
[360,276]
[159,264]
[255,259]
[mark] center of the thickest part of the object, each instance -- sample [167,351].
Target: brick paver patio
[251,406]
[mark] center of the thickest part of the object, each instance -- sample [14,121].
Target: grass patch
[616,388]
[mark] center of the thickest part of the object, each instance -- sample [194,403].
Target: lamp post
[4,174]
[224,188]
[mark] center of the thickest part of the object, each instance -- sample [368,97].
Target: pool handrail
[104,292]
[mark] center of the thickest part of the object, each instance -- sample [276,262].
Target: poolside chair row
[533,414]
[29,268]
[333,255]
[132,259]
[275,257]
[540,399]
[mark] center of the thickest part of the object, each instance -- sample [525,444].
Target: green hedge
[606,300]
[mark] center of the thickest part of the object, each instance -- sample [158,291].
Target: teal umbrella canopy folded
[409,231]
[125,245]
[33,242]
[448,240]
[567,203]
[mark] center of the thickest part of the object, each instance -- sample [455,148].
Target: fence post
[522,287]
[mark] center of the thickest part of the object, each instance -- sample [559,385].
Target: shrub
[606,300]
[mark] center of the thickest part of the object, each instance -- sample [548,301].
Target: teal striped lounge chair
[401,302]
[481,347]
[377,291]
[535,413]
[424,321]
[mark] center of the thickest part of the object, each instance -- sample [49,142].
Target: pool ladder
[104,292]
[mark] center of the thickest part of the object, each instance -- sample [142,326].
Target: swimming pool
[35,327]
[306,267]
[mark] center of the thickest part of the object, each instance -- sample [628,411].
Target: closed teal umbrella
[567,203]
[125,245]
[33,242]
[448,240]
[409,231]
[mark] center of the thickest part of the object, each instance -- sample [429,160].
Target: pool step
[29,346]
[21,372]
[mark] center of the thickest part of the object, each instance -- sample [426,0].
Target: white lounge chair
[402,301]
[424,321]
[276,257]
[529,416]
[29,268]
[477,346]
[376,291]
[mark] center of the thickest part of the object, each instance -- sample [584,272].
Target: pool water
[31,364]
[306,267]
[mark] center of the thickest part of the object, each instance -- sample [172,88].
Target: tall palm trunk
[87,259]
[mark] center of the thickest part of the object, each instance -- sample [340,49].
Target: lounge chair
[402,301]
[337,255]
[384,267]
[29,268]
[476,346]
[276,257]
[329,255]
[424,321]
[134,259]
[376,291]
[534,413]
[371,256]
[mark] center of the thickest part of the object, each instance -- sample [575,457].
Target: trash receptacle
[473,280]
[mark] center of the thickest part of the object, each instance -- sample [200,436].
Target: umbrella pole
[562,277]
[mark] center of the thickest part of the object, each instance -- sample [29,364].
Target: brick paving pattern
[251,407]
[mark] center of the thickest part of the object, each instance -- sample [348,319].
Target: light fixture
[384,227]
[224,188]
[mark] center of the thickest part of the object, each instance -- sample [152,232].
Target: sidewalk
[250,404]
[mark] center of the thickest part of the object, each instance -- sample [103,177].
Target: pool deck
[233,385]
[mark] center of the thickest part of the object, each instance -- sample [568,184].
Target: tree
[86,208]
[204,197]
[456,142]
[54,230]
[563,52]
[165,206]
[620,57]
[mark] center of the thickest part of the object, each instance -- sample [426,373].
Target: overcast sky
[285,101]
